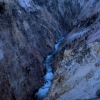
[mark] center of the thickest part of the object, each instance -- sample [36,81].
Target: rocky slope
[28,31]
[26,37]
[78,74]
[76,66]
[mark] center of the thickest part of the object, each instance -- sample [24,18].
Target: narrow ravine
[43,91]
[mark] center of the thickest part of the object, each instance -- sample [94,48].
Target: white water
[43,91]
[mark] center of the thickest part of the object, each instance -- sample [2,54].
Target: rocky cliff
[77,74]
[76,66]
[27,35]
[28,31]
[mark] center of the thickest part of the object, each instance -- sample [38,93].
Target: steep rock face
[29,29]
[26,37]
[77,76]
[76,65]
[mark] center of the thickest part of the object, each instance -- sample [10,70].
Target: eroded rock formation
[26,37]
[28,31]
[76,65]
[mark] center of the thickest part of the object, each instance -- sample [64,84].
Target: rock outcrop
[77,74]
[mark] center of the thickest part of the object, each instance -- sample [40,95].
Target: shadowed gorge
[29,30]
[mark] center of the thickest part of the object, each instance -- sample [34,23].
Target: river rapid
[43,91]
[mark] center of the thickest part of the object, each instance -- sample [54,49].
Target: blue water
[43,91]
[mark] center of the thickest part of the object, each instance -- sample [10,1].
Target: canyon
[29,30]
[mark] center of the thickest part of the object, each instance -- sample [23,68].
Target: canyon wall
[76,66]
[28,31]
[27,35]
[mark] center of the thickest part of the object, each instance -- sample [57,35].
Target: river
[43,91]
